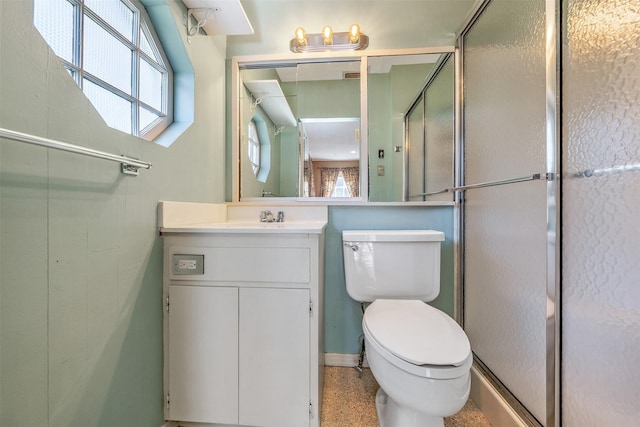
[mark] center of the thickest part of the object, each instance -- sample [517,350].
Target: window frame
[141,23]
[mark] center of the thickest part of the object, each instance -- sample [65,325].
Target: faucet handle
[280,216]
[266,216]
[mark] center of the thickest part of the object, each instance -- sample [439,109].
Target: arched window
[112,52]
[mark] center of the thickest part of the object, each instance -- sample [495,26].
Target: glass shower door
[505,226]
[601,214]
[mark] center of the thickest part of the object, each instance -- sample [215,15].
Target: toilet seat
[418,338]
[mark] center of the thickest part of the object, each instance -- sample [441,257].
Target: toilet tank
[392,264]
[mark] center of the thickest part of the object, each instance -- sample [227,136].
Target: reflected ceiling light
[328,40]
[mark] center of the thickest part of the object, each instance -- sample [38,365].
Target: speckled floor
[349,401]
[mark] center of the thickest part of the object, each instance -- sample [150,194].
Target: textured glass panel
[54,20]
[415,153]
[505,283]
[105,57]
[116,14]
[145,46]
[146,118]
[505,82]
[601,214]
[150,85]
[505,226]
[439,133]
[115,110]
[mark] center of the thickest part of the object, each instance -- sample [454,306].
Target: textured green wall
[80,255]
[343,316]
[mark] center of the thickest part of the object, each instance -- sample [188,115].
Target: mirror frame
[240,62]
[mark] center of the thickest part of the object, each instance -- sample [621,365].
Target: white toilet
[419,355]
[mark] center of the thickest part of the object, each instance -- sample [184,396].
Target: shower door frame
[553,173]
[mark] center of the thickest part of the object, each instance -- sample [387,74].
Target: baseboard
[342,359]
[492,405]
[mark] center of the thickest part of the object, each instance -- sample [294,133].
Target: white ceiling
[390,24]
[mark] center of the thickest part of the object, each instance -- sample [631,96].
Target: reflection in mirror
[430,137]
[282,97]
[329,111]
[393,85]
[268,157]
[325,99]
[331,156]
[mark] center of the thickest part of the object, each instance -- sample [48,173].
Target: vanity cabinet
[243,336]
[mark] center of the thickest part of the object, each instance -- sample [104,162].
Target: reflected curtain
[352,178]
[328,178]
[310,188]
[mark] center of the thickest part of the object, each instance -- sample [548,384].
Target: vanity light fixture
[328,40]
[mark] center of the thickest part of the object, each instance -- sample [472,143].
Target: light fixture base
[341,41]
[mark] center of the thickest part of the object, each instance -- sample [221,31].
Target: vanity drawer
[249,264]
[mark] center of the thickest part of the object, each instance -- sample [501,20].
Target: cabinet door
[274,357]
[203,354]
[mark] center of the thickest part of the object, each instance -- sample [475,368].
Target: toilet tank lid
[417,332]
[392,236]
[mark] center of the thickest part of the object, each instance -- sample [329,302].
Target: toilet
[419,355]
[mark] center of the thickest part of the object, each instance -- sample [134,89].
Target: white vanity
[243,316]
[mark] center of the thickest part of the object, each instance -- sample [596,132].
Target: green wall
[343,316]
[80,255]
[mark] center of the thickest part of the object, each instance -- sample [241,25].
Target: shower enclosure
[549,206]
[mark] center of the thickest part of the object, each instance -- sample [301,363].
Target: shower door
[505,217]
[601,214]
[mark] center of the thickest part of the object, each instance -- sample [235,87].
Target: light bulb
[354,33]
[327,35]
[301,36]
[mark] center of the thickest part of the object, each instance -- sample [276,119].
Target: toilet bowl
[419,355]
[422,369]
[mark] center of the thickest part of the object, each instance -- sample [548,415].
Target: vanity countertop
[210,218]
[243,227]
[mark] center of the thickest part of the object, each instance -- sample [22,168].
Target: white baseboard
[345,360]
[492,405]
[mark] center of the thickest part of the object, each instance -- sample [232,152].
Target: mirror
[429,126]
[293,115]
[330,153]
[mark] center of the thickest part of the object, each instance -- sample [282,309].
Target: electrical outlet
[380,170]
[187,264]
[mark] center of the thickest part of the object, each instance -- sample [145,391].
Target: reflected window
[254,147]
[341,189]
[112,52]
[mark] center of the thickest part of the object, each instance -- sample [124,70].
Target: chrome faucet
[267,216]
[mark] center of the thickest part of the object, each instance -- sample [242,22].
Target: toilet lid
[417,332]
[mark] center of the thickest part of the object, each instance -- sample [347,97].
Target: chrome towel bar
[130,166]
